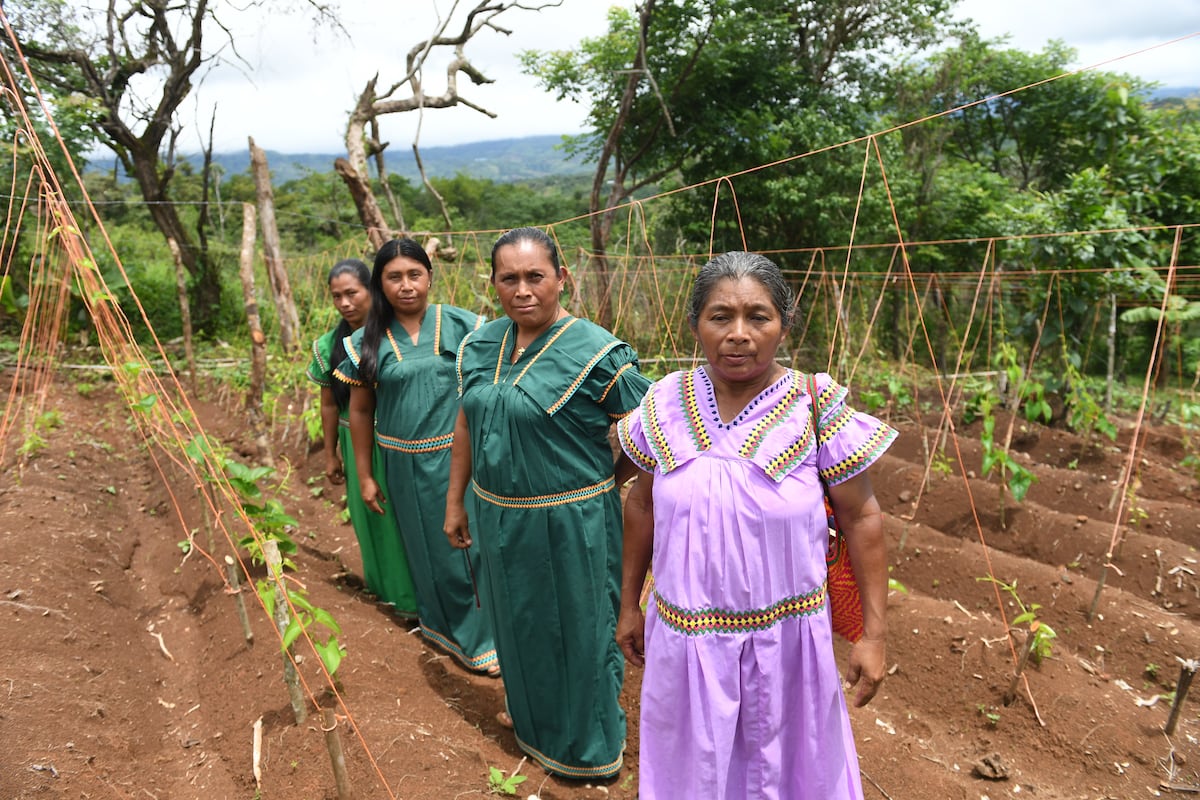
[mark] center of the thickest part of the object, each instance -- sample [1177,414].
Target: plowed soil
[125,672]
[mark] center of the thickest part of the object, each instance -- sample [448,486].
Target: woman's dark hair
[531,235]
[382,313]
[347,266]
[736,265]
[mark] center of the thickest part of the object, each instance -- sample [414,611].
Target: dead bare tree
[408,94]
[101,53]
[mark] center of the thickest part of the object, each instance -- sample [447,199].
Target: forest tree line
[942,152]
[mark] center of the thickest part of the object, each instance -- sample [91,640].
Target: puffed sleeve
[622,385]
[347,371]
[849,440]
[631,432]
[320,371]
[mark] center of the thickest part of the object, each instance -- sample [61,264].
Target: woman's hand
[867,665]
[371,496]
[455,527]
[334,469]
[631,634]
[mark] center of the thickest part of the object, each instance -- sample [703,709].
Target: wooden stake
[1187,670]
[258,752]
[258,350]
[334,744]
[236,584]
[1011,694]
[282,620]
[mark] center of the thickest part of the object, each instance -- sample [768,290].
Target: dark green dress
[546,513]
[416,404]
[385,565]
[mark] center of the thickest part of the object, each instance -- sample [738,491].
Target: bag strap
[816,415]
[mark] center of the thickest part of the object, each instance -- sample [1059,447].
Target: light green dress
[385,565]
[547,514]
[416,405]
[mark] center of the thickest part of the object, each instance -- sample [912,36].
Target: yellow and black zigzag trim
[703,621]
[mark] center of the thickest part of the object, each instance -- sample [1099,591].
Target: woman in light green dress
[400,367]
[534,467]
[385,565]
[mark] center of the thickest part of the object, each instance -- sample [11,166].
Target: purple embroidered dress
[741,695]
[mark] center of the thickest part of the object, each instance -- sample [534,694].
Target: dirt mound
[127,674]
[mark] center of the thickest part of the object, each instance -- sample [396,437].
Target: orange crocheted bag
[841,589]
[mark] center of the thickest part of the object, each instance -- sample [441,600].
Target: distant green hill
[502,160]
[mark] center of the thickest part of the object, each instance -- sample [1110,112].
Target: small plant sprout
[1151,671]
[1039,637]
[990,713]
[499,784]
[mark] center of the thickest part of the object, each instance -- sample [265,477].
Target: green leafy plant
[307,619]
[1039,637]
[499,784]
[989,713]
[1013,476]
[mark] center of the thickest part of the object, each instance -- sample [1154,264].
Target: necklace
[520,352]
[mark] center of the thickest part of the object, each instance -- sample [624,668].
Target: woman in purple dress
[741,696]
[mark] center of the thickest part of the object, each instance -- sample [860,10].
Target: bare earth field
[93,706]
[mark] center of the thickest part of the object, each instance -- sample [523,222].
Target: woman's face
[527,285]
[351,298]
[405,283]
[740,330]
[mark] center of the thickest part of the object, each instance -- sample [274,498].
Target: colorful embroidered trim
[557,767]
[395,344]
[863,457]
[642,460]
[344,422]
[545,347]
[782,410]
[580,378]
[655,436]
[479,663]
[624,368]
[831,428]
[719,620]
[317,380]
[832,393]
[437,329]
[779,466]
[317,355]
[691,409]
[546,500]
[344,378]
[433,443]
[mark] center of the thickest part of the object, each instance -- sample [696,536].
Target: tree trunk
[364,199]
[206,285]
[258,352]
[281,289]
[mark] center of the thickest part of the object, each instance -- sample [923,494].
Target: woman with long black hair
[404,390]
[385,565]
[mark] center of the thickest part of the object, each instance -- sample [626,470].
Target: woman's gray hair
[736,265]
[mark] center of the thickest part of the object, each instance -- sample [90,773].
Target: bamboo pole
[282,620]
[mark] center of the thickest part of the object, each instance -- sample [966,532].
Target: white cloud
[1104,32]
[300,83]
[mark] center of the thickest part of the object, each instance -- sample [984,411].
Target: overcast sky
[302,82]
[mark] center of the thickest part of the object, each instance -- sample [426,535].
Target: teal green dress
[546,513]
[416,405]
[385,565]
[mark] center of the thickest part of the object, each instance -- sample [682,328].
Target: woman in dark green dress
[404,392]
[540,389]
[385,565]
